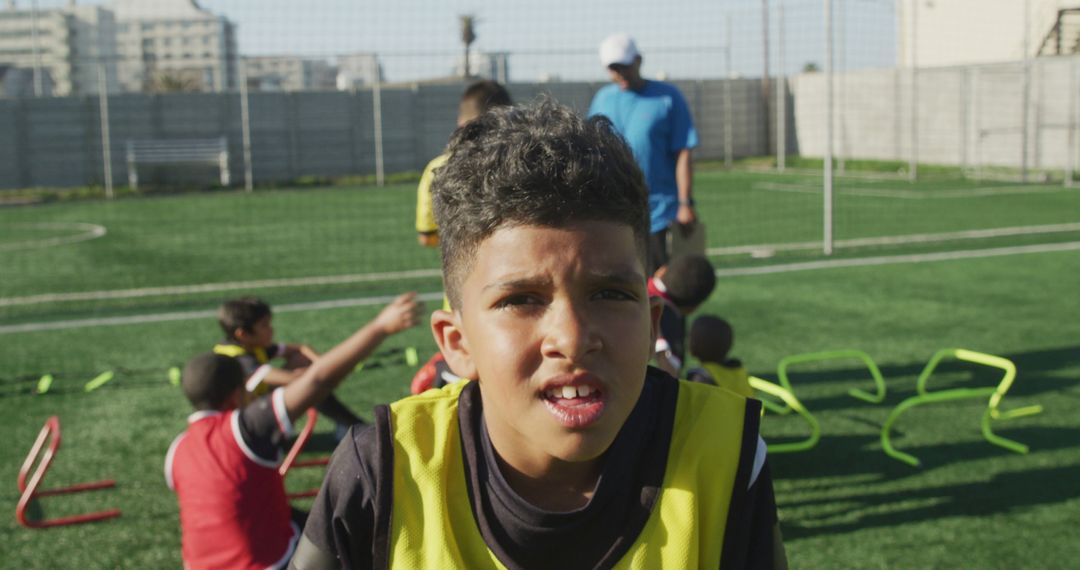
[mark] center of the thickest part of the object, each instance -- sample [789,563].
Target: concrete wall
[56,142]
[968,116]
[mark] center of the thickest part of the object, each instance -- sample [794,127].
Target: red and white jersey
[233,508]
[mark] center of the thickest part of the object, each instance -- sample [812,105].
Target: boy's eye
[614,295]
[518,300]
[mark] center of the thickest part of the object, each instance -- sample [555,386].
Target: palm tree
[468,36]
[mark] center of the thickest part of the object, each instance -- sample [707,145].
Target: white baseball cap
[618,49]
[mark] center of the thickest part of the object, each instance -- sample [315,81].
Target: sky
[679,39]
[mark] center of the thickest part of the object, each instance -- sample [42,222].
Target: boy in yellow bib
[566,451]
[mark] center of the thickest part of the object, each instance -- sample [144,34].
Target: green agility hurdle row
[992,412]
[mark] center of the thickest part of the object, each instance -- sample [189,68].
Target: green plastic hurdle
[786,362]
[992,410]
[792,403]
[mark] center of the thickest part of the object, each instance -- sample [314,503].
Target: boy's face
[260,335]
[557,325]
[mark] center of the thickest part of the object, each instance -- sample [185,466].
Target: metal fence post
[106,138]
[245,128]
[827,206]
[781,92]
[728,78]
[376,108]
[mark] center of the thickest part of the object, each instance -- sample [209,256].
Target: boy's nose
[568,333]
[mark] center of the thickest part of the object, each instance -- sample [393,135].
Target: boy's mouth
[575,400]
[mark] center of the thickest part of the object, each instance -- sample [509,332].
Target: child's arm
[324,375]
[281,377]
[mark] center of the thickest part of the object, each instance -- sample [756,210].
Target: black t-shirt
[355,501]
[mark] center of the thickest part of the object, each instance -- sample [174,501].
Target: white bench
[178,151]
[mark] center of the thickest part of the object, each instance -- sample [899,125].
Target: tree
[468,36]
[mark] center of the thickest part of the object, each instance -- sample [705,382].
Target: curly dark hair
[533,165]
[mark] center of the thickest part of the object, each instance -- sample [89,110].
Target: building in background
[63,49]
[174,45]
[491,65]
[289,73]
[358,70]
[964,32]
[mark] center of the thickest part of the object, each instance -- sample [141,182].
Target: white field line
[205,314]
[911,194]
[428,273]
[894,259]
[896,240]
[86,232]
[364,301]
[217,287]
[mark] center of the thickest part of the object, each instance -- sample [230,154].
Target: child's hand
[400,314]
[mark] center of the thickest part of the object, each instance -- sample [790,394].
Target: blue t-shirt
[656,123]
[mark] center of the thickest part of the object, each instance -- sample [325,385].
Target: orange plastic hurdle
[30,491]
[294,451]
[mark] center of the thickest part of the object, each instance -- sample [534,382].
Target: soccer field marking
[87,232]
[430,273]
[219,287]
[202,314]
[437,296]
[902,194]
[900,240]
[897,259]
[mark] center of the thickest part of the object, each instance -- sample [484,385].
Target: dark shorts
[658,253]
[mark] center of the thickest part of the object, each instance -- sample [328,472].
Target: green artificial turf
[843,504]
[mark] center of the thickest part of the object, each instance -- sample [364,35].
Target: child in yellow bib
[566,450]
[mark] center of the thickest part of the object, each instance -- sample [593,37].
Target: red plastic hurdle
[294,451]
[29,490]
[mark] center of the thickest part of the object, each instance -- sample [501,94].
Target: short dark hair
[485,95]
[689,280]
[539,165]
[711,339]
[241,313]
[209,379]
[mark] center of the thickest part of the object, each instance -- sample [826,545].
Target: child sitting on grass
[224,468]
[710,342]
[249,338]
[565,450]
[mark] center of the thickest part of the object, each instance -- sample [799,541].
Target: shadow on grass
[1003,493]
[843,456]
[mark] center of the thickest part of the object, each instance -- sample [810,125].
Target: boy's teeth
[569,392]
[583,391]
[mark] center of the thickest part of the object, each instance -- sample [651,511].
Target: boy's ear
[656,308]
[446,328]
[239,334]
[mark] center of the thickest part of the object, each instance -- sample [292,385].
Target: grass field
[992,267]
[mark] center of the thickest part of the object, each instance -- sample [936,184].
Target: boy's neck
[559,486]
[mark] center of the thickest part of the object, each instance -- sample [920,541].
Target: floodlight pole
[841,34]
[781,88]
[106,138]
[245,127]
[827,209]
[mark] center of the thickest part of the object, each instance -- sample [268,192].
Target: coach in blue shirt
[655,121]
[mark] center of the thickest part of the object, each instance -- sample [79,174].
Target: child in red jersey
[224,468]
